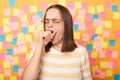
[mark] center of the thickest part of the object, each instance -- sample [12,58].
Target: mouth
[54,34]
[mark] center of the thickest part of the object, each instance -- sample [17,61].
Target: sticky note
[24,30]
[16,60]
[5,44]
[20,36]
[76,35]
[102,54]
[28,37]
[71,5]
[88,24]
[115,64]
[108,24]
[106,33]
[15,11]
[104,44]
[9,37]
[117,33]
[100,8]
[82,27]
[89,46]
[114,8]
[116,15]
[107,4]
[75,26]
[1,76]
[16,50]
[95,16]
[94,55]
[13,25]
[92,62]
[7,11]
[72,11]
[9,51]
[109,73]
[62,2]
[88,17]
[2,37]
[91,32]
[7,72]
[94,68]
[114,54]
[43,5]
[99,30]
[24,23]
[103,65]
[6,21]
[40,14]
[15,68]
[98,23]
[109,65]
[91,9]
[82,12]
[84,5]
[78,4]
[85,37]
[39,27]
[6,64]
[1,46]
[116,76]
[14,41]
[24,17]
[13,78]
[1,30]
[23,49]
[94,36]
[31,28]
[9,59]
[0,68]
[33,9]
[25,7]
[112,42]
[12,2]
[2,56]
[102,14]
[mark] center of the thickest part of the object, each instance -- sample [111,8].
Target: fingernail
[51,31]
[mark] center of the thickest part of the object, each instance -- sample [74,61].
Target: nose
[50,24]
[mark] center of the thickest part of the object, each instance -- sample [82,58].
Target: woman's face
[55,23]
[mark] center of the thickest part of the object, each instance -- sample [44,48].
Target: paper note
[91,32]
[6,65]
[88,17]
[7,11]
[114,8]
[117,33]
[91,9]
[40,27]
[16,50]
[31,28]
[6,21]
[15,68]
[108,24]
[1,76]
[7,72]
[103,65]
[93,62]
[98,23]
[109,73]
[40,14]
[82,12]
[95,16]
[115,64]
[106,33]
[75,26]
[20,36]
[28,37]
[71,5]
[25,7]
[108,53]
[103,14]
[78,5]
[94,55]
[72,11]
[9,37]
[94,68]
[112,42]
[0,45]
[2,56]
[13,78]
[12,2]
[82,27]
[114,54]
[15,11]
[90,47]
[15,60]
[104,44]
[13,26]
[77,35]
[24,30]
[109,65]
[107,4]
[88,24]
[43,5]
[2,37]
[102,54]
[84,5]
[100,8]
[5,44]
[85,37]
[99,30]
[116,15]
[33,9]
[9,51]
[62,2]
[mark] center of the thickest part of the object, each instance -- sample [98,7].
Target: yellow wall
[101,36]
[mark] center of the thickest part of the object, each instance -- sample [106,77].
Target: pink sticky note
[25,8]
[19,78]
[99,49]
[77,21]
[16,50]
[80,42]
[0,68]
[82,12]
[72,11]
[88,17]
[88,24]
[102,75]
[108,53]
[82,27]
[2,56]
[32,44]
[7,72]
[102,14]
[71,5]
[115,54]
[98,23]
[9,59]
[1,30]
[89,53]
[109,65]
[21,42]
[13,19]
[92,62]
[91,32]
[24,23]
[85,37]
[31,17]
[102,54]
[106,33]
[107,4]
[5,44]
[13,25]
[36,33]
[14,33]
[115,64]
[97,40]
[36,20]
[84,5]
[43,5]
[20,72]
[7,11]
[117,33]
[21,14]
[22,57]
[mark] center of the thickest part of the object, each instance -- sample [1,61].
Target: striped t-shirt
[74,65]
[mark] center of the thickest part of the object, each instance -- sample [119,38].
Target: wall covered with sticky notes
[96,27]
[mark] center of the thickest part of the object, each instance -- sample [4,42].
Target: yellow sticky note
[36,39]
[109,73]
[6,21]
[91,9]
[76,35]
[6,64]
[108,24]
[20,36]
[62,2]
[94,68]
[33,9]
[94,54]
[9,37]
[100,8]
[6,29]
[28,37]
[16,60]
[103,65]
[0,45]
[31,28]
[23,49]
[13,78]
[116,15]
[1,76]
[104,44]
[16,11]
[24,17]
[99,30]
[40,27]
[78,5]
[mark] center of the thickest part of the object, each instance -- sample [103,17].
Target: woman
[56,56]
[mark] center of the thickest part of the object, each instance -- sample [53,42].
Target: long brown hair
[68,41]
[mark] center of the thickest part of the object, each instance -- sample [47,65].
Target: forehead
[53,13]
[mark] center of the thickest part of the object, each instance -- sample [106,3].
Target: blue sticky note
[2,37]
[75,27]
[95,16]
[15,68]
[116,76]
[94,36]
[114,8]
[11,2]
[25,30]
[89,46]
[112,42]
[9,51]
[14,41]
[40,14]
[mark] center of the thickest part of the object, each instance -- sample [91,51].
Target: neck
[57,46]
